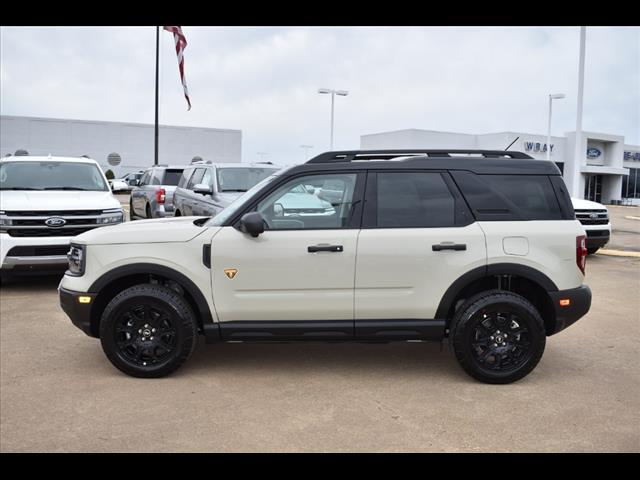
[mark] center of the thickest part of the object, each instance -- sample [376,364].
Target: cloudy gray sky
[264,80]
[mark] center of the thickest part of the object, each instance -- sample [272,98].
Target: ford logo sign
[55,222]
[593,152]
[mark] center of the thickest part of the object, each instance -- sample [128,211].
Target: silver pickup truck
[153,196]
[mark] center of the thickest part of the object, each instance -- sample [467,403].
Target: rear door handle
[448,246]
[325,248]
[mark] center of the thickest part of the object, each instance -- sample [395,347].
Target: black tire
[6,278]
[498,357]
[126,331]
[592,250]
[147,211]
[177,214]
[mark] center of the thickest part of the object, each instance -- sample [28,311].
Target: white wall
[134,142]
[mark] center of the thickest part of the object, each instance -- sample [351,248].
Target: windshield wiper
[19,188]
[64,188]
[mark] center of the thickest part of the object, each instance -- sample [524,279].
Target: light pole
[552,97]
[306,150]
[342,93]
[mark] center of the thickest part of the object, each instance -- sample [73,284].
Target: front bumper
[580,302]
[79,313]
[30,259]
[597,238]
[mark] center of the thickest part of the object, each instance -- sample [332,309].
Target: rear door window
[413,200]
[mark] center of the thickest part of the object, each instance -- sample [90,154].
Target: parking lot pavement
[625,226]
[58,392]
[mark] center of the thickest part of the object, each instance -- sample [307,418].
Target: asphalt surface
[625,228]
[59,393]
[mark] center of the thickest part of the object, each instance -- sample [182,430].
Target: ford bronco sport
[482,247]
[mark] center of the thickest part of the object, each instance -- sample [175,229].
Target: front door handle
[325,248]
[448,246]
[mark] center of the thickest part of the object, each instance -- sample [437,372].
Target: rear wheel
[148,331]
[147,211]
[498,337]
[177,214]
[592,250]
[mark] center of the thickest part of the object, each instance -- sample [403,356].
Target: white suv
[44,202]
[410,246]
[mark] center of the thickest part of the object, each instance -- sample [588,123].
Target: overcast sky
[263,81]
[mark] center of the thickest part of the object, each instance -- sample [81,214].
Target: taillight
[160,195]
[581,252]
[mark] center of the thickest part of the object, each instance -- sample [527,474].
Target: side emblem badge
[230,272]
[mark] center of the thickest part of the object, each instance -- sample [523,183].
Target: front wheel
[148,331]
[592,250]
[498,337]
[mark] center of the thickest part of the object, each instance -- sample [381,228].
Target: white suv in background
[44,202]
[594,218]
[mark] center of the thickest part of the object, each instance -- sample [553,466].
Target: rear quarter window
[509,197]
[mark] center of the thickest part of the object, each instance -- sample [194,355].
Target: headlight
[112,216]
[77,260]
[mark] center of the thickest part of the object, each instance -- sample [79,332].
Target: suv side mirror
[252,223]
[202,188]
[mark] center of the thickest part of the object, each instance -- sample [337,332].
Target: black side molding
[206,255]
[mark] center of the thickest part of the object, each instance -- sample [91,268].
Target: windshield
[238,203]
[51,175]
[240,179]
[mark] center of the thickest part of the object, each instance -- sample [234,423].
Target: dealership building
[609,171]
[121,147]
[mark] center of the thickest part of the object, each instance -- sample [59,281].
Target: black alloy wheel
[148,330]
[498,337]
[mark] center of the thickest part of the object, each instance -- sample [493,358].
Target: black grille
[53,213]
[70,221]
[585,217]
[46,232]
[26,251]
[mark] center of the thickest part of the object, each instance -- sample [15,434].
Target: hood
[20,200]
[159,230]
[580,204]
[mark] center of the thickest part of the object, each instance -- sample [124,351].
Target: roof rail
[357,155]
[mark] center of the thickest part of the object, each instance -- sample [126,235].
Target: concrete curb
[619,253]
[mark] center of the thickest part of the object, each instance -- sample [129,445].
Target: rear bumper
[79,313]
[580,303]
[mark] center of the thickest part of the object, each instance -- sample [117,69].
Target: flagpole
[155,151]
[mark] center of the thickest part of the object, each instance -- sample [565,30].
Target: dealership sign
[632,156]
[537,147]
[593,152]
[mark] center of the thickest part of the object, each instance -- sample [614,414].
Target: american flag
[181,43]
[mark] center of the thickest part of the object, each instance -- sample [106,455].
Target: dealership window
[631,184]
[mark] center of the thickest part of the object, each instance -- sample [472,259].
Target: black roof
[477,161]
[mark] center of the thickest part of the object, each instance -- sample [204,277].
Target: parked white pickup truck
[44,202]
[594,218]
